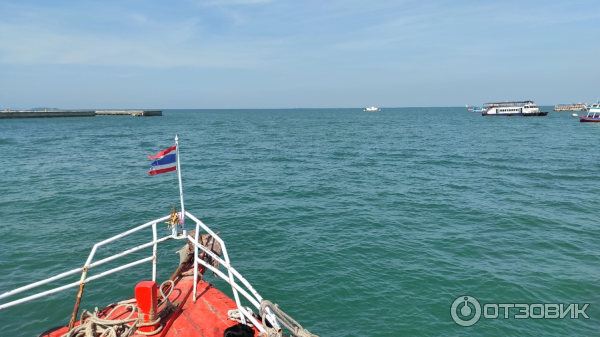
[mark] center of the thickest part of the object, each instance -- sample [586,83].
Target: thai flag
[165,161]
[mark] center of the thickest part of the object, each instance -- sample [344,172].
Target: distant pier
[134,113]
[42,114]
[75,113]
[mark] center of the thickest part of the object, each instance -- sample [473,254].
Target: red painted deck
[206,317]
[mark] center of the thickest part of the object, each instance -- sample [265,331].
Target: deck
[206,317]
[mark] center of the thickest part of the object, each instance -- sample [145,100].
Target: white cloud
[159,44]
[107,35]
[281,34]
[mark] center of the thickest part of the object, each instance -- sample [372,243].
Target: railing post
[231,281]
[235,294]
[154,238]
[76,307]
[78,299]
[196,259]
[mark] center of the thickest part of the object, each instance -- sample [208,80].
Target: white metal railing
[89,264]
[253,298]
[232,275]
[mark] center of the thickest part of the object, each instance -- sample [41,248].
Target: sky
[224,54]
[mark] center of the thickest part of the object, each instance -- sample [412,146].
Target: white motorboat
[372,108]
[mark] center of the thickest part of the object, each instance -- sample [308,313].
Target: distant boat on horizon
[514,108]
[476,109]
[372,108]
[571,107]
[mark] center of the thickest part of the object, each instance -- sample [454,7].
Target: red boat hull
[207,316]
[586,119]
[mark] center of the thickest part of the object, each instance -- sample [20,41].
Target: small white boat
[575,115]
[371,108]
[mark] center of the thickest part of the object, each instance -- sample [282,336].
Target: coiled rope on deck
[288,322]
[94,326]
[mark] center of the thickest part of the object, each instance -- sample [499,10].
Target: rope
[104,327]
[166,298]
[139,325]
[94,326]
[288,322]
[236,315]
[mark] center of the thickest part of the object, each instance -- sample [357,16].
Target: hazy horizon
[275,108]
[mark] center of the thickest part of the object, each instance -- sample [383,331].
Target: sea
[355,223]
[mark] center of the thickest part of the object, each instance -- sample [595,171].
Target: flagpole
[180,187]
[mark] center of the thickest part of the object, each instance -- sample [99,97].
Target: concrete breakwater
[134,113]
[75,113]
[41,114]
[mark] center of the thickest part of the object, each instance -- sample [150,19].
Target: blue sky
[289,54]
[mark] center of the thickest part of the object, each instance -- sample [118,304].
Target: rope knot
[288,322]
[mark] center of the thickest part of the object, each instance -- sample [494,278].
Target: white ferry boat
[515,108]
[372,108]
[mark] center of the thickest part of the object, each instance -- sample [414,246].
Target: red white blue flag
[164,161]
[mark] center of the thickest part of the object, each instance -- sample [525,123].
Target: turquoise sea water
[355,223]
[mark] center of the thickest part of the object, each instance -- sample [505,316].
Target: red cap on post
[146,296]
